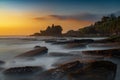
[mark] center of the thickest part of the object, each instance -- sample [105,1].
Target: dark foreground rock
[60,72]
[22,70]
[35,52]
[109,52]
[98,70]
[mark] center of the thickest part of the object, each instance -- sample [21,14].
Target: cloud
[78,17]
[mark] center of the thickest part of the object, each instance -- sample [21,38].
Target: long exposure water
[13,46]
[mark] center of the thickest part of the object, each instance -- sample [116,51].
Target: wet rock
[23,70]
[109,39]
[37,47]
[84,40]
[60,72]
[60,54]
[105,44]
[34,53]
[75,45]
[2,62]
[50,40]
[109,52]
[74,41]
[97,70]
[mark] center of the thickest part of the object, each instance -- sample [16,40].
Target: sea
[11,46]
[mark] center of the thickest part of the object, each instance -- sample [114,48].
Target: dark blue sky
[67,6]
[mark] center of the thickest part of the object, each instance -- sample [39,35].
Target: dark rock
[109,40]
[23,70]
[62,54]
[34,53]
[63,42]
[100,70]
[109,52]
[74,41]
[60,72]
[75,45]
[97,70]
[114,44]
[50,40]
[2,62]
[37,47]
[84,40]
[59,54]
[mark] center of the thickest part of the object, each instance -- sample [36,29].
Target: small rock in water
[37,47]
[2,62]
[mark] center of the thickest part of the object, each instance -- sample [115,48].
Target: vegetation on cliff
[109,25]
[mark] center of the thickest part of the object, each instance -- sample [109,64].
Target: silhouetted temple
[54,30]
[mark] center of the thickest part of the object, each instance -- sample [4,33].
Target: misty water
[13,46]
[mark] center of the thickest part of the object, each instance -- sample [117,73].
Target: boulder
[75,45]
[74,41]
[37,47]
[2,62]
[50,40]
[99,70]
[61,54]
[27,70]
[108,52]
[83,40]
[34,53]
[60,72]
[96,70]
[114,44]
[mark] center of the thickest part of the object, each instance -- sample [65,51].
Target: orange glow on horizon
[17,24]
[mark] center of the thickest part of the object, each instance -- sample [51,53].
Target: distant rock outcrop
[54,30]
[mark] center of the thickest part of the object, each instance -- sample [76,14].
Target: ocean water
[12,46]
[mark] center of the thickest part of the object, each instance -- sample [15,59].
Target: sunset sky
[24,17]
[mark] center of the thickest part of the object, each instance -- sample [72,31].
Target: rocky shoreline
[74,65]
